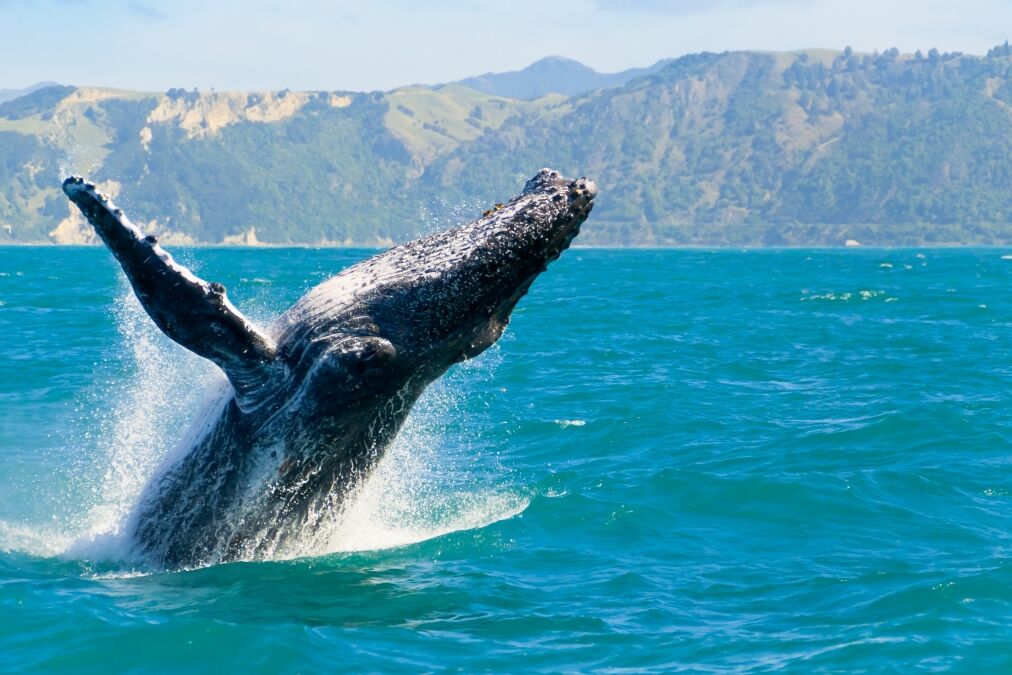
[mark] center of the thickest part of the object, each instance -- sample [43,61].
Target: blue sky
[364,45]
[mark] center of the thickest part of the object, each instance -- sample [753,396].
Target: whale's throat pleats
[192,312]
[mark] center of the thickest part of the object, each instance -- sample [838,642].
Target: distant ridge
[11,94]
[553,75]
[813,147]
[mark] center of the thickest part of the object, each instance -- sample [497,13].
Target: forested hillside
[739,148]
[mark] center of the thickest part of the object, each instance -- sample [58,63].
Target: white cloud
[345,44]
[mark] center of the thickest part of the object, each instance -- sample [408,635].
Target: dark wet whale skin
[316,399]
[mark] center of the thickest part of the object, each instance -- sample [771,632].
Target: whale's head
[411,312]
[450,296]
[459,288]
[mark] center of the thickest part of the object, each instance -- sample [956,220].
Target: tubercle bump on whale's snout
[546,179]
[589,187]
[582,192]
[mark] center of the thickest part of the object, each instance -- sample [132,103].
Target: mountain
[552,75]
[738,148]
[9,94]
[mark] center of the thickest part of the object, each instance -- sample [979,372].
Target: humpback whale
[315,398]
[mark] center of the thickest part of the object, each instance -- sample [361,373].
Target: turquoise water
[673,460]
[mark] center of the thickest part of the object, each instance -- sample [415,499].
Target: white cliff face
[247,238]
[207,114]
[73,230]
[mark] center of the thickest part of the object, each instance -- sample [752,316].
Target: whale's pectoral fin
[191,311]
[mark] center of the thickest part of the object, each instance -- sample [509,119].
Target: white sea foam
[571,423]
[845,296]
[33,540]
[146,413]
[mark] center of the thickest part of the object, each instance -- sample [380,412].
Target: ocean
[674,460]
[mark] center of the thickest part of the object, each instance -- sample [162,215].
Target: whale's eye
[377,349]
[362,354]
[352,366]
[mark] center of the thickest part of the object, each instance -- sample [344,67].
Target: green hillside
[739,148]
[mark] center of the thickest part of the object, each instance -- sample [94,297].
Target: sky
[381,44]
